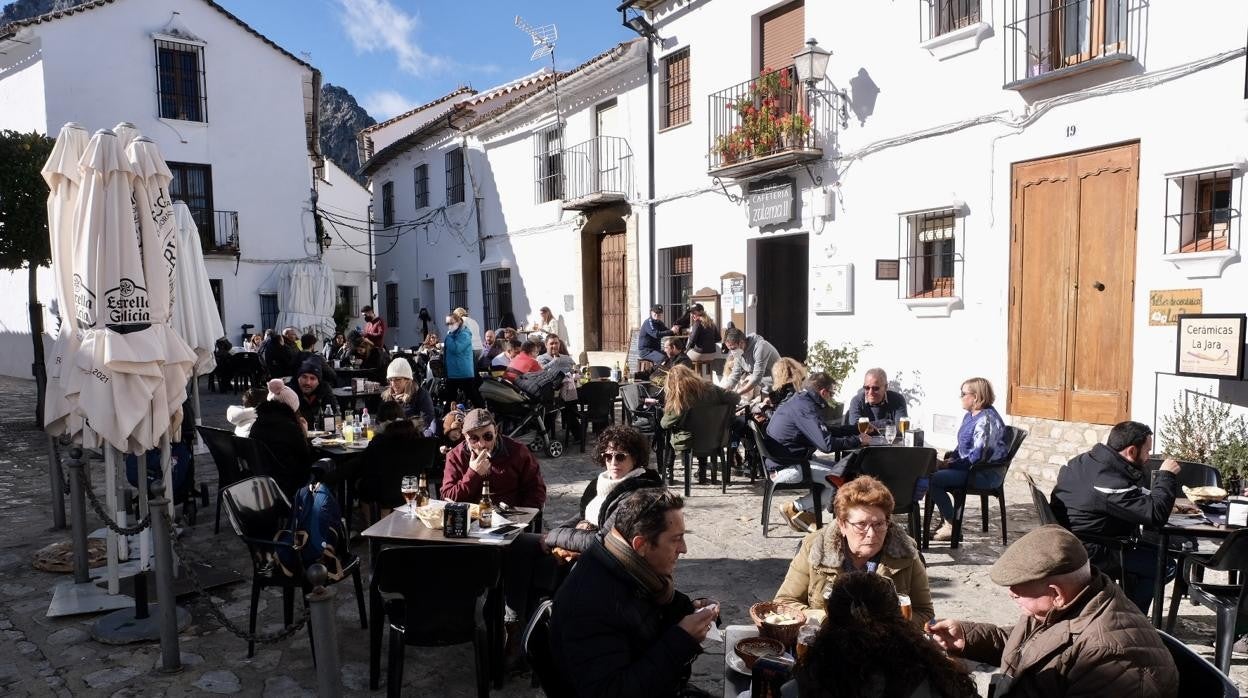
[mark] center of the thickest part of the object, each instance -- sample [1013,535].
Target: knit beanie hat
[399,368]
[281,392]
[311,366]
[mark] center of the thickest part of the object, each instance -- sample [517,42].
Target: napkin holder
[1237,512]
[455,520]
[914,438]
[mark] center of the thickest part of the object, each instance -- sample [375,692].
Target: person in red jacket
[374,327]
[516,479]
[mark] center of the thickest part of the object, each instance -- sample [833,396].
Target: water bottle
[327,418]
[615,372]
[365,421]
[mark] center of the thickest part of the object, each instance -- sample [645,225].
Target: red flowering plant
[768,122]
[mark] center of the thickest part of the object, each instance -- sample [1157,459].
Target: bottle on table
[626,376]
[365,420]
[422,491]
[485,508]
[615,372]
[327,418]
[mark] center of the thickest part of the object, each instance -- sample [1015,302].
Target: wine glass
[410,486]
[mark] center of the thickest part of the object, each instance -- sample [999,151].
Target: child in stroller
[525,405]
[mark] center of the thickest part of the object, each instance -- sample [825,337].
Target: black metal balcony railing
[218,230]
[599,168]
[769,115]
[1046,39]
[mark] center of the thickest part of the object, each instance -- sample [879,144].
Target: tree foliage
[23,200]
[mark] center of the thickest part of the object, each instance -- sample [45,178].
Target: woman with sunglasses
[864,539]
[981,439]
[624,454]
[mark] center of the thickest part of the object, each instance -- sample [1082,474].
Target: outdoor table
[1177,525]
[348,396]
[398,529]
[736,684]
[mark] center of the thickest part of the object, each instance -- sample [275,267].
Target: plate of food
[1207,493]
[431,515]
[748,650]
[317,433]
[328,441]
[357,445]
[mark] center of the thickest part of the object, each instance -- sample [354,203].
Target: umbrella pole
[166,469]
[145,538]
[110,498]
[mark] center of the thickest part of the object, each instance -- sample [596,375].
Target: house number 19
[1070,130]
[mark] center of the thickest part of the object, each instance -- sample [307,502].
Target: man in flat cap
[1078,634]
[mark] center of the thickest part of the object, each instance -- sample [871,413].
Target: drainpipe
[645,30]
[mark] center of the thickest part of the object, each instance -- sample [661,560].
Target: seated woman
[243,417]
[703,336]
[279,427]
[337,350]
[369,356]
[981,439]
[685,390]
[623,453]
[407,393]
[525,361]
[390,455]
[867,648]
[864,539]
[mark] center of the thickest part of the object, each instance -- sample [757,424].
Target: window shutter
[781,34]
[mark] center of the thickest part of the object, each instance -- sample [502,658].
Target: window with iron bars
[495,296]
[675,279]
[454,176]
[387,204]
[1047,36]
[458,285]
[944,16]
[931,260]
[548,164]
[268,311]
[421,176]
[180,81]
[1200,211]
[674,97]
[392,305]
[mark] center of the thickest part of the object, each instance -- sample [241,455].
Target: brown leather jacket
[1100,645]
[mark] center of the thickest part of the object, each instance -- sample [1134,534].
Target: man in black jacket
[875,401]
[619,627]
[796,430]
[1106,492]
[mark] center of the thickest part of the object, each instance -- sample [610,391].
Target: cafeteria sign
[1211,346]
[1165,307]
[770,203]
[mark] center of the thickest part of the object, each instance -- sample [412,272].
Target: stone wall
[1050,444]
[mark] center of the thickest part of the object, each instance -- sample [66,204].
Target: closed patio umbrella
[305,293]
[195,316]
[63,176]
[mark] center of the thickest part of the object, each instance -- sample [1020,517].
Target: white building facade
[232,112]
[1008,190]
[553,192]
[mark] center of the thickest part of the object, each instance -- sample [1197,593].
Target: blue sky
[394,54]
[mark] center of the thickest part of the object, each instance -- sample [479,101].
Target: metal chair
[1116,546]
[900,470]
[261,461]
[1224,599]
[806,483]
[444,605]
[258,511]
[599,372]
[536,641]
[707,425]
[220,443]
[595,403]
[1197,677]
[1191,473]
[1014,438]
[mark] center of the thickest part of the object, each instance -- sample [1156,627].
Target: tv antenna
[544,38]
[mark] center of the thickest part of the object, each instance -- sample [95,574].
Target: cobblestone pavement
[728,559]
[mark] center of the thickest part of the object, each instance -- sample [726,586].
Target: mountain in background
[340,118]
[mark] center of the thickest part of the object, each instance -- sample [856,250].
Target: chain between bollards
[324,635]
[100,511]
[166,601]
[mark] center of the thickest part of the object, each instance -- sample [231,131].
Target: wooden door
[1072,286]
[612,298]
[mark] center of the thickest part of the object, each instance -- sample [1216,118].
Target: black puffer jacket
[610,639]
[1100,492]
[569,537]
[276,428]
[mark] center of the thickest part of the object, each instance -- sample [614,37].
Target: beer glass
[903,426]
[904,601]
[805,638]
[864,425]
[410,486]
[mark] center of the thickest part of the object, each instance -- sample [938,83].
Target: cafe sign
[1165,307]
[771,203]
[1211,346]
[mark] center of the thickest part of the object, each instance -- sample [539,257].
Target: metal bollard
[56,480]
[166,602]
[324,637]
[78,516]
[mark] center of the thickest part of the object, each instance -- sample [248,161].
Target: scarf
[604,487]
[661,589]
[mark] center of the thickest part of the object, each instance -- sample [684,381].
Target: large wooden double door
[1072,280]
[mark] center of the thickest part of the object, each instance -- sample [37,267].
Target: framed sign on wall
[1211,346]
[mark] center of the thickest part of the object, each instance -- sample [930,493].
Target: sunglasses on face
[871,388]
[485,438]
[614,457]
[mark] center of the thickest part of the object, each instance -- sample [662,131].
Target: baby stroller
[518,411]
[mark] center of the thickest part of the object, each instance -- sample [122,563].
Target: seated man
[619,627]
[875,401]
[752,359]
[1106,492]
[309,353]
[652,333]
[313,393]
[515,479]
[795,432]
[1078,634]
[674,354]
[511,347]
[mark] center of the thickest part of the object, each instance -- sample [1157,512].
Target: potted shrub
[838,363]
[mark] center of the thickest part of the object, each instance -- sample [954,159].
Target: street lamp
[811,64]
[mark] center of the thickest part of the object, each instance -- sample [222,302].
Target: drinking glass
[410,486]
[903,426]
[904,601]
[864,425]
[890,433]
[805,638]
